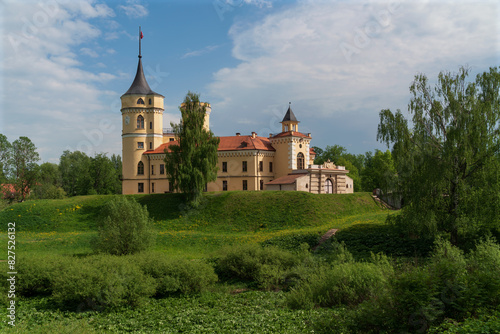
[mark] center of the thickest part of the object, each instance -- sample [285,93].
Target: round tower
[142,130]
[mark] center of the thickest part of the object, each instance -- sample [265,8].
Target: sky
[65,64]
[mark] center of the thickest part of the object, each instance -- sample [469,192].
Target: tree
[5,152]
[75,173]
[23,164]
[192,163]
[104,175]
[449,148]
[124,228]
[49,182]
[379,172]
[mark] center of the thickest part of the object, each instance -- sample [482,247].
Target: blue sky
[65,63]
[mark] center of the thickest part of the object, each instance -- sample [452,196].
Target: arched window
[140,122]
[140,101]
[140,168]
[149,101]
[300,161]
[329,186]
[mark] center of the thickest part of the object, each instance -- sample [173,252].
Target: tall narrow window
[162,169]
[150,146]
[224,185]
[152,169]
[149,101]
[224,166]
[245,185]
[152,187]
[150,125]
[270,167]
[261,184]
[140,187]
[140,122]
[261,166]
[140,101]
[140,168]
[300,161]
[244,166]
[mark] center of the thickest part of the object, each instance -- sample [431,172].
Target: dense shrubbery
[268,266]
[125,228]
[100,282]
[293,242]
[176,275]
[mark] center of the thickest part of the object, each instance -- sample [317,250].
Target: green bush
[176,275]
[267,266]
[101,282]
[293,242]
[124,228]
[36,273]
[483,266]
[348,283]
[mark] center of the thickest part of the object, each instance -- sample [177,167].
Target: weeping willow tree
[447,155]
[192,162]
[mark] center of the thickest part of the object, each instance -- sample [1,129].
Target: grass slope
[66,226]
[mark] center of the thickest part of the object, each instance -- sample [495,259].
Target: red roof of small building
[287,179]
[291,133]
[311,151]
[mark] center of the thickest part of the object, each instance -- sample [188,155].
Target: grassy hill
[67,225]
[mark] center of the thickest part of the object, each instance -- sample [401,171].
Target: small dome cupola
[289,122]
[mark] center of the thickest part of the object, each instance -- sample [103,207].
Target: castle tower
[142,130]
[292,147]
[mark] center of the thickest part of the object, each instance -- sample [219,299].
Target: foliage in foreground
[125,228]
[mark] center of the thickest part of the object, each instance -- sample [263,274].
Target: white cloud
[203,51]
[341,63]
[134,9]
[89,52]
[55,101]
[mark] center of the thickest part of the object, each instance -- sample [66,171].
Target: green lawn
[67,226]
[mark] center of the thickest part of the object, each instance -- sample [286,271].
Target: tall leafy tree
[379,172]
[192,163]
[104,175]
[448,149]
[24,167]
[49,182]
[75,173]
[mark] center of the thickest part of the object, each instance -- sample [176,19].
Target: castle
[282,161]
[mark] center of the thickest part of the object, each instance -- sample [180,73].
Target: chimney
[309,134]
[254,134]
[270,135]
[238,134]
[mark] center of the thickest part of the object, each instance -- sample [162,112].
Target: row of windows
[140,187]
[140,145]
[140,169]
[244,166]
[244,185]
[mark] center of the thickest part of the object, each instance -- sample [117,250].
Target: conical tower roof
[140,85]
[289,116]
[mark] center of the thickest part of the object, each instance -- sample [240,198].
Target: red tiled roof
[161,149]
[311,151]
[291,133]
[288,179]
[229,143]
[237,143]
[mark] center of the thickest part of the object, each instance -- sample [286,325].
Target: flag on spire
[142,35]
